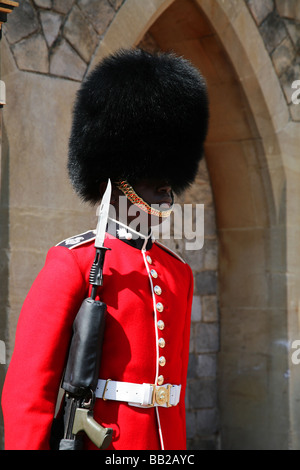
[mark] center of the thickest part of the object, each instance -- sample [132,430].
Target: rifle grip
[84,421]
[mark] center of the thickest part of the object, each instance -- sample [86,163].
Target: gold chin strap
[139,202]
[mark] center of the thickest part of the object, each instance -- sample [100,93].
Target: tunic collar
[127,235]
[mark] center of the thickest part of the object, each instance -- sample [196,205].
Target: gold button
[153,273]
[161,343]
[157,290]
[159,307]
[162,361]
[160,380]
[160,325]
[148,258]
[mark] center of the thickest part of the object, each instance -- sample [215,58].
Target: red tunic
[131,349]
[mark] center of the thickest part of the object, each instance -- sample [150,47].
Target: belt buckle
[161,395]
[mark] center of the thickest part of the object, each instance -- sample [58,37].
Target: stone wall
[278,22]
[58,38]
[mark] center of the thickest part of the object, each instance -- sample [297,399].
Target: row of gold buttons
[160,324]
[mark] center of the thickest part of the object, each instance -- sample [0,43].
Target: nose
[165,189]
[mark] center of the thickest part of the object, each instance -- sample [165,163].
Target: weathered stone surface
[44,3]
[196,308]
[192,367]
[283,56]
[21,23]
[65,62]
[206,282]
[207,337]
[195,259]
[209,308]
[288,8]
[62,6]
[206,365]
[272,31]
[51,23]
[202,393]
[207,421]
[190,424]
[32,54]
[80,33]
[295,111]
[199,443]
[260,9]
[210,254]
[294,32]
[116,3]
[99,13]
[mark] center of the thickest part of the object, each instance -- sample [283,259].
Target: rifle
[82,369]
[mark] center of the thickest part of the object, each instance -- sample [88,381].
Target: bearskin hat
[138,116]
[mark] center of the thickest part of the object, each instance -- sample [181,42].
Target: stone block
[206,365]
[209,222]
[196,309]
[210,254]
[65,62]
[21,23]
[202,393]
[51,23]
[295,111]
[294,32]
[199,443]
[283,56]
[272,31]
[43,3]
[194,258]
[209,308]
[207,337]
[192,339]
[116,3]
[192,367]
[99,13]
[190,425]
[260,9]
[288,8]
[80,33]
[31,54]
[207,422]
[62,6]
[206,282]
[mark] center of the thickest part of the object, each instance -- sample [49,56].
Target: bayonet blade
[103,216]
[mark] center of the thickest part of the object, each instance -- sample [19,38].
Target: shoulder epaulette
[78,240]
[171,252]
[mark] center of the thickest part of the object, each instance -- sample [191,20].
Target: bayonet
[96,274]
[103,216]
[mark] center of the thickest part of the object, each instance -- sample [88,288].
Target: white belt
[143,395]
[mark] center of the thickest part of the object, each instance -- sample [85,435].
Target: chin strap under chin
[139,202]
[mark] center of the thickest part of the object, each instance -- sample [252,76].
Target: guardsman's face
[157,193]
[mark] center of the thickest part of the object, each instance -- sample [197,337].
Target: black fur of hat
[138,116]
